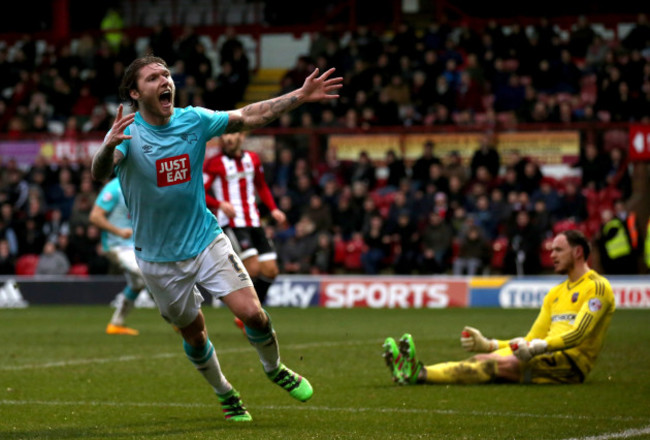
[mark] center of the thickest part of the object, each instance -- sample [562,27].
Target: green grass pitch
[61,377]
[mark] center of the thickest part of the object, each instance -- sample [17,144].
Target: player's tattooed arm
[104,161]
[259,114]
[107,156]
[256,115]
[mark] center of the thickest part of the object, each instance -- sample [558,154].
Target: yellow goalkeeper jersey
[575,318]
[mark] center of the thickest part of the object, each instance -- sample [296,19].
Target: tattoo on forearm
[271,109]
[103,163]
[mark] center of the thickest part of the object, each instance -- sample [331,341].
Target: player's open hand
[116,136]
[321,87]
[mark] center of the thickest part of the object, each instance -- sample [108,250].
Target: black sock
[262,285]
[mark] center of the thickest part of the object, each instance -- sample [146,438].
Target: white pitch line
[628,433]
[129,358]
[343,410]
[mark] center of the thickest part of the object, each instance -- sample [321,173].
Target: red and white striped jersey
[235,180]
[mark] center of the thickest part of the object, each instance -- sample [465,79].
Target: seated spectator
[421,170]
[364,171]
[406,241]
[436,245]
[618,175]
[531,178]
[522,256]
[485,156]
[7,261]
[52,261]
[319,213]
[573,204]
[396,170]
[594,166]
[31,237]
[547,193]
[474,254]
[453,167]
[377,243]
[484,217]
[296,253]
[322,260]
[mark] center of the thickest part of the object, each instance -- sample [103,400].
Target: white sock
[206,362]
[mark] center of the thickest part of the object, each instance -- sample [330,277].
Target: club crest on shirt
[189,137]
[146,149]
[574,297]
[173,170]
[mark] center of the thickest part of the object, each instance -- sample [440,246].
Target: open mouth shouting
[166,99]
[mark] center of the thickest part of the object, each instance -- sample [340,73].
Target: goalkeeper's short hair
[577,238]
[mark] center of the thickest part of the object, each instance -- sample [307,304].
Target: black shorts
[248,242]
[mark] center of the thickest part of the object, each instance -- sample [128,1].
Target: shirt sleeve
[214,122]
[597,304]
[542,324]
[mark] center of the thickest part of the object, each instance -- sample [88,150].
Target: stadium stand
[413,78]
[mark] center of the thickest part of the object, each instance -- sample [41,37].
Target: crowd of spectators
[433,216]
[436,215]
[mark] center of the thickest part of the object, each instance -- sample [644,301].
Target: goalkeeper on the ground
[561,347]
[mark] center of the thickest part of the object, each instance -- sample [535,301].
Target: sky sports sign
[435,292]
[371,292]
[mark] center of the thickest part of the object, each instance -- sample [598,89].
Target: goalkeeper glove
[472,340]
[526,350]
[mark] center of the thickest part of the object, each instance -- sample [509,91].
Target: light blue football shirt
[162,180]
[110,199]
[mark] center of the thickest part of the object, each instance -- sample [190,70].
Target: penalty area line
[628,433]
[131,358]
[625,434]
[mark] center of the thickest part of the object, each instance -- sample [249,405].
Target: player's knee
[255,318]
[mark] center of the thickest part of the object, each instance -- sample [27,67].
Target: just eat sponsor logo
[173,170]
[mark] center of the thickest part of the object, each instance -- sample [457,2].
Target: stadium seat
[352,260]
[564,225]
[545,257]
[499,248]
[26,264]
[615,139]
[339,251]
[79,269]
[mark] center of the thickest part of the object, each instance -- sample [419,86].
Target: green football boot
[392,358]
[298,387]
[411,366]
[233,408]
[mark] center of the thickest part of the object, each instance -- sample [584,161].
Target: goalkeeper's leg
[479,369]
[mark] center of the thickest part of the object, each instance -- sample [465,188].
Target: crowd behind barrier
[434,216]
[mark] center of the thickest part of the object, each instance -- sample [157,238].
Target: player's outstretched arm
[107,156]
[473,340]
[259,114]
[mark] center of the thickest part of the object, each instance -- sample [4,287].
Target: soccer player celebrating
[560,348]
[110,214]
[158,154]
[231,179]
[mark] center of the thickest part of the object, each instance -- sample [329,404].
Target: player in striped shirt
[560,348]
[232,179]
